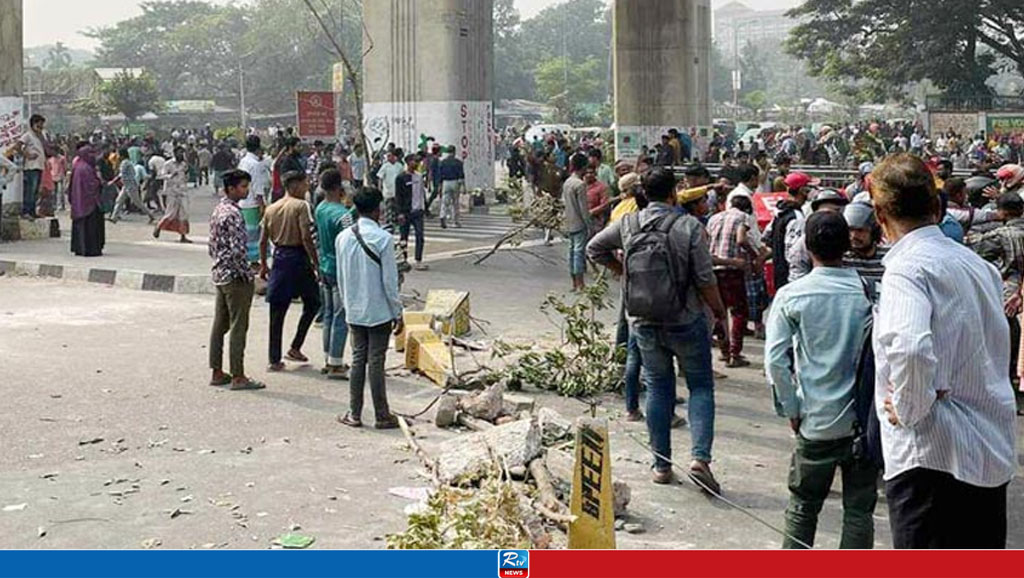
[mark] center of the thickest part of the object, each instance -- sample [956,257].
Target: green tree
[755,100]
[754,65]
[129,95]
[721,76]
[58,58]
[580,30]
[196,49]
[578,82]
[885,45]
[512,78]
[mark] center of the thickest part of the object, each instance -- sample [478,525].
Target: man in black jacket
[410,205]
[787,225]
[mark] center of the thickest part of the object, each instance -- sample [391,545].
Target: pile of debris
[513,469]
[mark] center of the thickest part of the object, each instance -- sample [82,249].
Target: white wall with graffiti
[12,126]
[467,125]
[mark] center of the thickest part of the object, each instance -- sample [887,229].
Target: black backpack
[653,290]
[778,243]
[867,432]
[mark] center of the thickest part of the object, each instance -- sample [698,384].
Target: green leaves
[466,519]
[129,95]
[885,45]
[585,364]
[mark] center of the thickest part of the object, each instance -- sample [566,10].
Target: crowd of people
[314,222]
[890,310]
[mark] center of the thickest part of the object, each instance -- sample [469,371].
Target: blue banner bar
[249,564]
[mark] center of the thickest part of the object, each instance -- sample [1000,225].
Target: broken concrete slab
[447,410]
[488,404]
[467,458]
[514,404]
[553,426]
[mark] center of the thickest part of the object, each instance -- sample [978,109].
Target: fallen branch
[545,488]
[505,239]
[565,519]
[429,463]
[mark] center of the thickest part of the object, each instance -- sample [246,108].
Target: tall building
[736,24]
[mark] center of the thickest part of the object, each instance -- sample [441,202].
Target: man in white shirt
[748,176]
[254,204]
[358,161]
[387,175]
[943,396]
[156,181]
[34,152]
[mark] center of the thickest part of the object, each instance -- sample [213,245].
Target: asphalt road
[109,427]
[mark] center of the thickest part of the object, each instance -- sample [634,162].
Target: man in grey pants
[368,283]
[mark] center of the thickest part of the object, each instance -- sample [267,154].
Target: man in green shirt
[332,217]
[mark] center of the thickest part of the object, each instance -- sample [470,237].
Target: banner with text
[1008,126]
[316,115]
[12,120]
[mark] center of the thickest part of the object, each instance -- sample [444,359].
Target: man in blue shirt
[820,322]
[368,283]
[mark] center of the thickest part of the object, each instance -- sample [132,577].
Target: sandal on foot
[338,374]
[700,474]
[390,423]
[350,421]
[635,416]
[276,367]
[226,380]
[297,357]
[250,385]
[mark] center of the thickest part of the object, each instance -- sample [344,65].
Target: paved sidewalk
[133,259]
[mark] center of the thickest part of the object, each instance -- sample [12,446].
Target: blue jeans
[30,182]
[578,253]
[632,377]
[659,346]
[335,326]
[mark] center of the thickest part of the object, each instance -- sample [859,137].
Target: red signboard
[316,115]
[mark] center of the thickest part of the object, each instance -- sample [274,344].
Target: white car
[541,131]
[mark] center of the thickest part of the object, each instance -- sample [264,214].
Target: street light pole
[241,93]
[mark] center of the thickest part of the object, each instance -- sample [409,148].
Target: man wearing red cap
[788,223]
[1012,178]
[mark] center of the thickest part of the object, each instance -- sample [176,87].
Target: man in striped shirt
[941,347]
[866,253]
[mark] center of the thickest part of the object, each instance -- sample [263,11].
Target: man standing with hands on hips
[942,346]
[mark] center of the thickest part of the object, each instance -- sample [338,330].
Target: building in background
[736,24]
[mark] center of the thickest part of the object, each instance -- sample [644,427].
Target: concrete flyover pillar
[11,121]
[662,68]
[429,73]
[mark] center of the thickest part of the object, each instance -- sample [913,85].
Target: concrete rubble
[467,458]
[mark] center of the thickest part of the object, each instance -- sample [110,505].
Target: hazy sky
[49,21]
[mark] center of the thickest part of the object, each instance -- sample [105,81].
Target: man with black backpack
[669,280]
[820,322]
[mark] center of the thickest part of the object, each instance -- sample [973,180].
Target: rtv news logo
[514,564]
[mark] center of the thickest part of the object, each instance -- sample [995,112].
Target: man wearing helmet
[866,253]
